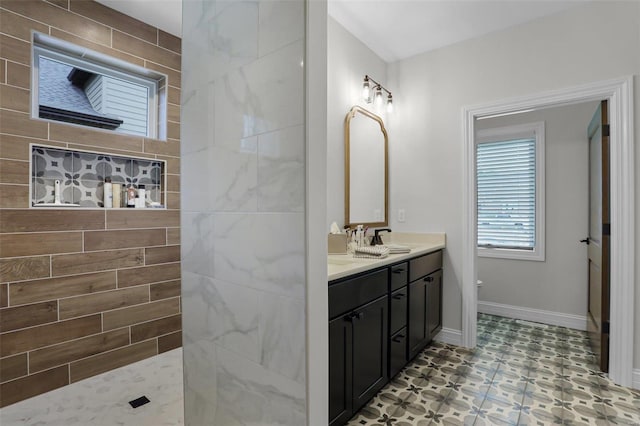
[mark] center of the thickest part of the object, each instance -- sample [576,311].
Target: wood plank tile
[17,147]
[103,139]
[170,341]
[155,328]
[104,240]
[19,123]
[169,41]
[108,361]
[58,33]
[145,50]
[173,200]
[173,97]
[31,244]
[63,353]
[142,218]
[154,146]
[148,274]
[51,220]
[173,183]
[35,384]
[15,50]
[104,301]
[68,264]
[165,290]
[173,130]
[28,315]
[14,197]
[115,19]
[20,26]
[173,76]
[58,288]
[14,98]
[13,367]
[61,3]
[136,314]
[173,113]
[24,268]
[155,255]
[60,18]
[28,339]
[14,171]
[3,71]
[18,75]
[173,235]
[4,295]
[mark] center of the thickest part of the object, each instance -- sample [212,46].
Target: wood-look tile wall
[82,291]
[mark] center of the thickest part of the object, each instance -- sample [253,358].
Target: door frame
[619,93]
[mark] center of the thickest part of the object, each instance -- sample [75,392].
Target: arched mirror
[366,169]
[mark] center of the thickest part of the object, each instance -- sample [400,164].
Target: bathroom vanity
[382,313]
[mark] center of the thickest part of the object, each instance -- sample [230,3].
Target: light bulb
[378,98]
[366,91]
[389,104]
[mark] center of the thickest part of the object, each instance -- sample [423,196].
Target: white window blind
[507,194]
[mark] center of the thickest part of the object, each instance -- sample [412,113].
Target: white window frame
[536,130]
[98,63]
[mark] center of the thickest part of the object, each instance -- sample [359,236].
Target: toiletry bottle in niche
[108,193]
[117,195]
[141,200]
[131,196]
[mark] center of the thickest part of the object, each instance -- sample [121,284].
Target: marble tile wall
[243,225]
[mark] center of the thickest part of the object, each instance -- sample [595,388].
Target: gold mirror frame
[347,167]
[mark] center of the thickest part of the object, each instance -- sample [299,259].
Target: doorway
[619,93]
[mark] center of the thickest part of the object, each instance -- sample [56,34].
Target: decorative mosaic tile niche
[82,176]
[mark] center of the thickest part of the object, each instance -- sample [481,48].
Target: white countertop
[343,265]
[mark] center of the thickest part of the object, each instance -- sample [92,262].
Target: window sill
[512,254]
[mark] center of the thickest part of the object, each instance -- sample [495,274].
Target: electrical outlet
[401,217]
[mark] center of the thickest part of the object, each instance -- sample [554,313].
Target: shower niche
[75,179]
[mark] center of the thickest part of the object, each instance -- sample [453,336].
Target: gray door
[599,236]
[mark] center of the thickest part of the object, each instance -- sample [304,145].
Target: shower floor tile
[103,400]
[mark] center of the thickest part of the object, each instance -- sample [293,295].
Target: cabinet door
[397,352]
[370,342]
[434,304]
[418,332]
[340,374]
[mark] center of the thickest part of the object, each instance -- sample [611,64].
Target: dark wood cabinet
[425,301]
[379,320]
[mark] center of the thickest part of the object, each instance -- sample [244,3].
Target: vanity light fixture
[377,97]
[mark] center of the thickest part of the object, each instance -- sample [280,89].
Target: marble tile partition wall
[82,291]
[243,220]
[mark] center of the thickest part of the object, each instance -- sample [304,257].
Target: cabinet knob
[428,279]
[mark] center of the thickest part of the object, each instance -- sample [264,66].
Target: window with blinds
[509,192]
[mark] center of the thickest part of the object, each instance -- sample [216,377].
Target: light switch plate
[401,217]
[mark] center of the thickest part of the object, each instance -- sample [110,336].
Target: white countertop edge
[338,271]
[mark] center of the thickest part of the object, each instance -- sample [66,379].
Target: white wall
[349,60]
[564,273]
[592,42]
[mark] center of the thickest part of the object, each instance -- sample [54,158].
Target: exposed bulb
[378,98]
[366,91]
[389,104]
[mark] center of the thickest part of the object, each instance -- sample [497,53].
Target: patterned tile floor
[519,374]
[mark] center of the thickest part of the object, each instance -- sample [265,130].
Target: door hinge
[606,130]
[605,327]
[606,229]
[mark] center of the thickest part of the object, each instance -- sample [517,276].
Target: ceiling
[393,29]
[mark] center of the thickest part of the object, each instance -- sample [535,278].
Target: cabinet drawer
[425,265]
[349,294]
[398,309]
[399,275]
[397,352]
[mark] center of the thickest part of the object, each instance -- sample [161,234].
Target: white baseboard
[449,336]
[537,315]
[635,380]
